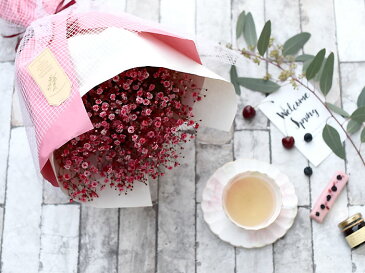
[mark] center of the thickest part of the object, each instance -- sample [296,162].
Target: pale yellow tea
[250,201]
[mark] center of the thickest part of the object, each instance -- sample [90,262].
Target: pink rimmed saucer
[226,230]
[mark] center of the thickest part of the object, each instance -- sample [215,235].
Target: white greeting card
[297,112]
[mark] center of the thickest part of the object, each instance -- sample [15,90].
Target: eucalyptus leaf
[338,110]
[359,114]
[304,57]
[327,74]
[353,126]
[261,85]
[333,140]
[306,64]
[295,43]
[317,77]
[240,24]
[249,31]
[361,98]
[315,65]
[362,136]
[264,39]
[234,76]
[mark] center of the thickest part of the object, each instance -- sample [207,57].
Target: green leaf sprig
[316,68]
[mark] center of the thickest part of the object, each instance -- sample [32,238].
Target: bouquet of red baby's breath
[136,117]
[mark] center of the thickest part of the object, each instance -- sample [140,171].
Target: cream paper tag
[50,77]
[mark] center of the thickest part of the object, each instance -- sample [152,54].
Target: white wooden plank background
[41,232]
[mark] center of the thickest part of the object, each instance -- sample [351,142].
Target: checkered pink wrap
[49,126]
[23,12]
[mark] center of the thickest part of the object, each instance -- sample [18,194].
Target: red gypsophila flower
[137,117]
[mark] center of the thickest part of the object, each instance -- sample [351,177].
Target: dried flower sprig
[137,116]
[316,68]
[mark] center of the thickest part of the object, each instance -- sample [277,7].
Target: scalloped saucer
[226,230]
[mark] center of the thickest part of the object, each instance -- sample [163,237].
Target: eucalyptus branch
[319,68]
[296,79]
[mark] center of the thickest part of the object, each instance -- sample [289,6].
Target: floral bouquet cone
[109,101]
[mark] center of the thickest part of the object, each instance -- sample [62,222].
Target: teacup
[252,200]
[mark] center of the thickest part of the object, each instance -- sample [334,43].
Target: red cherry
[248,112]
[288,142]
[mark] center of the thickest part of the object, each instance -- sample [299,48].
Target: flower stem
[293,77]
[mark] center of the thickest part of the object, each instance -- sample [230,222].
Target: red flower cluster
[136,116]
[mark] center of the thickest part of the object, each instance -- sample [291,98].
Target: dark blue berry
[339,177]
[317,214]
[328,197]
[334,188]
[323,206]
[308,137]
[308,171]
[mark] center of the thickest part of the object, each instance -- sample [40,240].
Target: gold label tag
[50,77]
[356,238]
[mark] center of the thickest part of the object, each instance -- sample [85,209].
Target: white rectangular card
[296,112]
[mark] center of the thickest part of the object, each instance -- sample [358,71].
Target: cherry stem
[294,78]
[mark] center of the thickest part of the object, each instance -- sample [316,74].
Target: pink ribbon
[61,6]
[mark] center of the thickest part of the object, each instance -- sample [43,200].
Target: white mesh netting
[22,13]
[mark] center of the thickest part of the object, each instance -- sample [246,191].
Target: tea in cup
[252,200]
